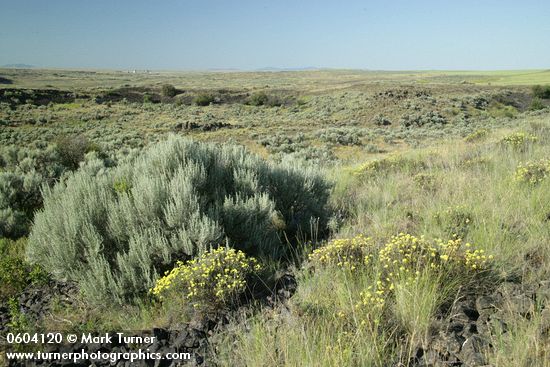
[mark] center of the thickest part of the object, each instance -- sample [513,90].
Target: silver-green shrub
[115,230]
[23,171]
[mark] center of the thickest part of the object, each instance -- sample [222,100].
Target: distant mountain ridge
[18,66]
[269,68]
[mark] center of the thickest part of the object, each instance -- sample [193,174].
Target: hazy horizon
[250,36]
[263,69]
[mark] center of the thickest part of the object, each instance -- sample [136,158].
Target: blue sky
[205,34]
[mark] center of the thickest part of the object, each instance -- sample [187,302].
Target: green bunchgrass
[504,216]
[418,301]
[328,323]
[80,316]
[522,343]
[322,327]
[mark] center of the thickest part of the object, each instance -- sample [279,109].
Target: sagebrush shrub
[169,90]
[342,136]
[22,173]
[114,230]
[381,120]
[258,99]
[419,120]
[72,149]
[540,91]
[536,104]
[203,99]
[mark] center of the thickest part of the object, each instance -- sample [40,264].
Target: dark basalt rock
[189,338]
[474,320]
[186,340]
[38,97]
[472,351]
[5,80]
[35,302]
[285,287]
[486,304]
[204,127]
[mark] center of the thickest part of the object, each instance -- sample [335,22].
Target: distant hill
[289,69]
[224,69]
[18,66]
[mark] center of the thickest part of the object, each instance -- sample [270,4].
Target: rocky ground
[464,338]
[36,303]
[193,338]
[461,339]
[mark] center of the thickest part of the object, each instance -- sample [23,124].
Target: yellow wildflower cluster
[371,303]
[533,172]
[518,140]
[385,164]
[476,259]
[377,165]
[210,281]
[373,297]
[477,135]
[348,253]
[403,260]
[405,255]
